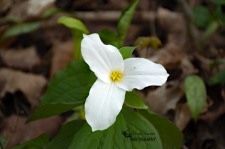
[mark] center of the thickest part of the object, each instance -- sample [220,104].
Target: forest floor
[29,60]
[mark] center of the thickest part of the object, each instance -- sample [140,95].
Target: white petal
[101,58]
[140,73]
[103,104]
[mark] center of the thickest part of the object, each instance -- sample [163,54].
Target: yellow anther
[116,76]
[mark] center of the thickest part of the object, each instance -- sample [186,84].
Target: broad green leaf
[109,37]
[131,130]
[37,143]
[73,23]
[78,29]
[65,135]
[202,16]
[218,78]
[120,135]
[69,88]
[48,110]
[126,51]
[196,94]
[170,135]
[125,20]
[133,100]
[140,129]
[21,28]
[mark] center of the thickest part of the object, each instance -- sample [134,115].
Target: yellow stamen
[116,76]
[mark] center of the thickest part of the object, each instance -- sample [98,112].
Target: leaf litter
[27,65]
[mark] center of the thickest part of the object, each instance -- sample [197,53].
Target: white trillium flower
[115,76]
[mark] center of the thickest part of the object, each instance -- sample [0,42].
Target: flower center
[116,76]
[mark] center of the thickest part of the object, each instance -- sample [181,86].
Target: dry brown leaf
[187,67]
[62,55]
[164,98]
[24,9]
[20,58]
[18,9]
[215,46]
[169,55]
[211,116]
[172,56]
[5,4]
[31,85]
[36,7]
[182,116]
[175,25]
[17,131]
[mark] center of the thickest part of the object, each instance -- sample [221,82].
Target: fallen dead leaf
[17,131]
[62,55]
[14,103]
[175,25]
[173,56]
[4,5]
[24,59]
[169,55]
[215,103]
[36,7]
[30,84]
[18,9]
[187,67]
[164,98]
[182,116]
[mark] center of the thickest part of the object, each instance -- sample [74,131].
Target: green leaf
[169,134]
[78,28]
[131,130]
[133,100]
[73,23]
[69,88]
[51,11]
[202,16]
[21,28]
[115,137]
[10,18]
[127,51]
[65,135]
[48,110]
[3,142]
[77,38]
[37,143]
[109,37]
[218,78]
[196,94]
[125,20]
